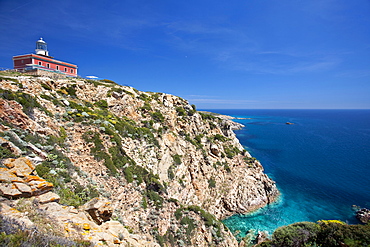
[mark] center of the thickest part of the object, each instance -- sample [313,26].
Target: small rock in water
[363,215]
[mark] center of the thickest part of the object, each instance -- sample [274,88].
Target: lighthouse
[42,47]
[43,64]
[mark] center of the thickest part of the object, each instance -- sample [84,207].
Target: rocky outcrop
[99,210]
[169,173]
[363,215]
[18,179]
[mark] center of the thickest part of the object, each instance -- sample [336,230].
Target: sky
[236,54]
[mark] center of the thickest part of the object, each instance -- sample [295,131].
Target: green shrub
[325,233]
[144,203]
[186,221]
[221,138]
[296,234]
[170,172]
[231,151]
[335,234]
[146,107]
[155,198]
[14,234]
[43,169]
[144,97]
[211,183]
[71,90]
[157,116]
[6,153]
[197,141]
[27,101]
[102,104]
[178,213]
[98,150]
[45,86]
[108,81]
[177,159]
[207,116]
[181,111]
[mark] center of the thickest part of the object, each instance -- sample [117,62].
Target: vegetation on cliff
[328,233]
[170,173]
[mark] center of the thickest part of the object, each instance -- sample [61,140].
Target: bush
[176,159]
[14,234]
[108,81]
[296,234]
[189,223]
[221,138]
[330,233]
[6,153]
[27,101]
[211,183]
[155,198]
[102,104]
[231,151]
[157,117]
[181,111]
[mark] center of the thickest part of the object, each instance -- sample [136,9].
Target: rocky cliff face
[170,172]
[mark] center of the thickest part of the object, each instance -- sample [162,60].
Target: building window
[65,69]
[57,67]
[71,70]
[48,65]
[40,63]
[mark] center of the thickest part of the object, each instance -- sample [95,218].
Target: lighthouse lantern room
[43,64]
[42,48]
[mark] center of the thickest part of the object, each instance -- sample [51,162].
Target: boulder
[99,209]
[215,150]
[9,190]
[10,146]
[48,197]
[6,176]
[363,215]
[24,188]
[20,167]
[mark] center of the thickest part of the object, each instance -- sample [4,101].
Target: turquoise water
[320,164]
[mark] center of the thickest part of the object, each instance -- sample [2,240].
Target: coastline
[238,126]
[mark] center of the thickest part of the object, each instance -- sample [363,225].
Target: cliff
[168,172]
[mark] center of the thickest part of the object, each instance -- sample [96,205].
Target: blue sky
[251,54]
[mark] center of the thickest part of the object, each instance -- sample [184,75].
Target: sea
[320,162]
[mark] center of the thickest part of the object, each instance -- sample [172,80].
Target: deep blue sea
[321,164]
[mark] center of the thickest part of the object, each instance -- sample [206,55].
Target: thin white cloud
[356,73]
[209,99]
[235,50]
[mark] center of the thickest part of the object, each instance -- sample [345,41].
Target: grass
[45,233]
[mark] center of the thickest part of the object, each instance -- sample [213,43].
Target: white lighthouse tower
[42,47]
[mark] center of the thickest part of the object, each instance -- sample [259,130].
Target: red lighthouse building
[43,64]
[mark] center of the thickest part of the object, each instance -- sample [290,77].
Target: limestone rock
[24,188]
[48,197]
[17,180]
[9,190]
[20,167]
[363,215]
[99,209]
[6,176]
[10,146]
[11,111]
[173,145]
[215,150]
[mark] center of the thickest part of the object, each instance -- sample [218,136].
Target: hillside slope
[169,172]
